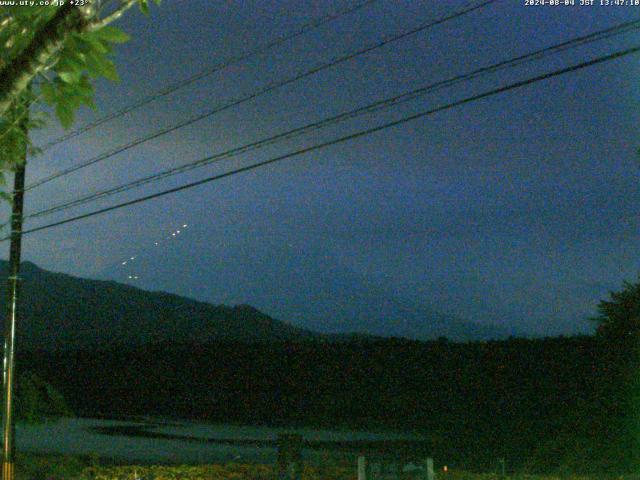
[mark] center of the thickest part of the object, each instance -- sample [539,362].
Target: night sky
[520,210]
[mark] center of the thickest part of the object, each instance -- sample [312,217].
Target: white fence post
[429,466]
[362,468]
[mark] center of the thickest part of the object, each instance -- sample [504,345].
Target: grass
[71,468]
[49,467]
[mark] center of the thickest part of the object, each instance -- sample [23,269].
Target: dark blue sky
[520,210]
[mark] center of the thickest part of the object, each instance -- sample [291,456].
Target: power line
[264,90]
[375,106]
[362,133]
[209,71]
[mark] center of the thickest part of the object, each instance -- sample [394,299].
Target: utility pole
[13,283]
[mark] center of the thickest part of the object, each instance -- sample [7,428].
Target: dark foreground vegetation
[78,468]
[544,405]
[555,405]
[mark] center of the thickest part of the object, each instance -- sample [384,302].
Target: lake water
[162,441]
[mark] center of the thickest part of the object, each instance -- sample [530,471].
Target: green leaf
[96,44]
[77,43]
[100,65]
[69,77]
[84,87]
[144,6]
[72,101]
[69,70]
[83,92]
[48,93]
[112,35]
[72,59]
[65,113]
[109,71]
[37,119]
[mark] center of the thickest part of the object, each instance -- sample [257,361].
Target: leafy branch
[74,43]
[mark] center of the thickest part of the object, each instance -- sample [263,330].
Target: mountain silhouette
[60,311]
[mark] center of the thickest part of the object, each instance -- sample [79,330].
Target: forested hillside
[542,404]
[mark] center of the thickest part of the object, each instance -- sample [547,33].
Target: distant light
[124,263]
[132,258]
[445,468]
[156,243]
[173,234]
[177,231]
[130,277]
[184,226]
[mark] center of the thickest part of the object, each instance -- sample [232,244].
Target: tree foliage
[53,54]
[547,405]
[37,401]
[619,317]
